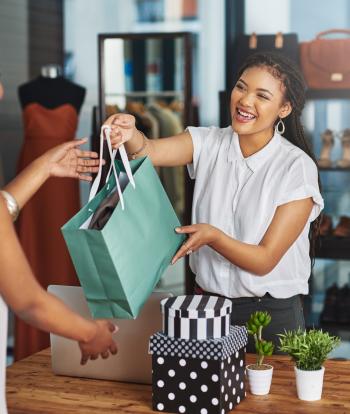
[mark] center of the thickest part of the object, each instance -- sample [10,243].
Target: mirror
[149,76]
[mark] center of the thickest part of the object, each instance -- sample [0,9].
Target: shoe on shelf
[326,225]
[345,142]
[327,138]
[329,312]
[342,229]
[343,305]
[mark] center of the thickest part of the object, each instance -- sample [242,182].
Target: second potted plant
[260,374]
[309,350]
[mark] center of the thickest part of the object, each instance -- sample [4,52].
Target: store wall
[111,16]
[83,21]
[268,16]
[211,59]
[13,69]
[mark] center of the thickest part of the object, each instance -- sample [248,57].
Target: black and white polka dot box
[196,316]
[204,376]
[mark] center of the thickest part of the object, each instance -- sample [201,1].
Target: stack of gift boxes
[198,360]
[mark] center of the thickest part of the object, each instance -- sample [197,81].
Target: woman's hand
[101,343]
[66,160]
[123,129]
[200,235]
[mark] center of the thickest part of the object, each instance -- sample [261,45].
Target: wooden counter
[32,388]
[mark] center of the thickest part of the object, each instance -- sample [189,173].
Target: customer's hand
[122,127]
[66,160]
[101,343]
[199,235]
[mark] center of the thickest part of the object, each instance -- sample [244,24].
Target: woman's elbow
[266,267]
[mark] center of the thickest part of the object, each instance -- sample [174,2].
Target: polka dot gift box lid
[210,349]
[196,316]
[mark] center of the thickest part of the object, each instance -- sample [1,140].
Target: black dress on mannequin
[50,116]
[51,93]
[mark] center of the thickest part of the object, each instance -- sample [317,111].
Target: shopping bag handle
[105,132]
[123,156]
[332,31]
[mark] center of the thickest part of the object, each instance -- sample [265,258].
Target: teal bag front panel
[129,255]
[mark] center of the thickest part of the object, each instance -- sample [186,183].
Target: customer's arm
[33,304]
[64,160]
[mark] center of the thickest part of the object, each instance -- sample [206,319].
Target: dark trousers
[286,314]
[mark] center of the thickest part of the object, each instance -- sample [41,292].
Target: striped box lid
[196,306]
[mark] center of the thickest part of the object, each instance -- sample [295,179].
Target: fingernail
[177,229]
[116,329]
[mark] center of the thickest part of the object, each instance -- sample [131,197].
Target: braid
[287,72]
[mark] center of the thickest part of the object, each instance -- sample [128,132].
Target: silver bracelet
[12,205]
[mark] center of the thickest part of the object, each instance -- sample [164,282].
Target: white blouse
[240,196]
[3,349]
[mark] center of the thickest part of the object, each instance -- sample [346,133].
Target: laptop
[132,362]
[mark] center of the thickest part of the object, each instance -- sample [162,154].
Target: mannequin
[51,105]
[51,90]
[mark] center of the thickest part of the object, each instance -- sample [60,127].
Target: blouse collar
[254,160]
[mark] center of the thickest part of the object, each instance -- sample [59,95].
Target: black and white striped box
[196,316]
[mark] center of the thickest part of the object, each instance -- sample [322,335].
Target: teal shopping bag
[119,266]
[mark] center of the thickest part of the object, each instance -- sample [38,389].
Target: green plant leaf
[308,349]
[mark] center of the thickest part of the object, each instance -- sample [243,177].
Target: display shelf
[334,169]
[331,247]
[328,94]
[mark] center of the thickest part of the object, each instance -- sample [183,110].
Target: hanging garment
[173,179]
[42,217]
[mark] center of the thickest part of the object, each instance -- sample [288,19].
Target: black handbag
[246,45]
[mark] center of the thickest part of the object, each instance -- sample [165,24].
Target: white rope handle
[124,158]
[106,132]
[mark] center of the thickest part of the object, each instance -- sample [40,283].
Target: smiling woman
[256,198]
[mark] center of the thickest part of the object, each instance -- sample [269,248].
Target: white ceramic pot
[259,379]
[309,384]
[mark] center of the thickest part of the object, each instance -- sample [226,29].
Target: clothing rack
[147,93]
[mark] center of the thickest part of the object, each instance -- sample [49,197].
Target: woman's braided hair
[289,74]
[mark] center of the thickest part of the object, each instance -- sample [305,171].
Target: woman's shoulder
[294,157]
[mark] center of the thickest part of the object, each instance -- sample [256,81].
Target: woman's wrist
[217,236]
[43,167]
[90,332]
[141,146]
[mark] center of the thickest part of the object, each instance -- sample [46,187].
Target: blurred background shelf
[328,93]
[330,247]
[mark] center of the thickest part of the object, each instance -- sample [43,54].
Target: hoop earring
[280,127]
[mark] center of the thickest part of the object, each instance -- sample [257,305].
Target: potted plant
[309,350]
[260,374]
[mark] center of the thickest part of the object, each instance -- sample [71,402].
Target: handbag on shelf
[122,241]
[325,62]
[284,43]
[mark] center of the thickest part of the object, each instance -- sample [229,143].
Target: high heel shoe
[327,145]
[326,226]
[345,142]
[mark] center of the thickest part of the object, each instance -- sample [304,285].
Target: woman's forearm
[29,181]
[26,297]
[254,259]
[49,314]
